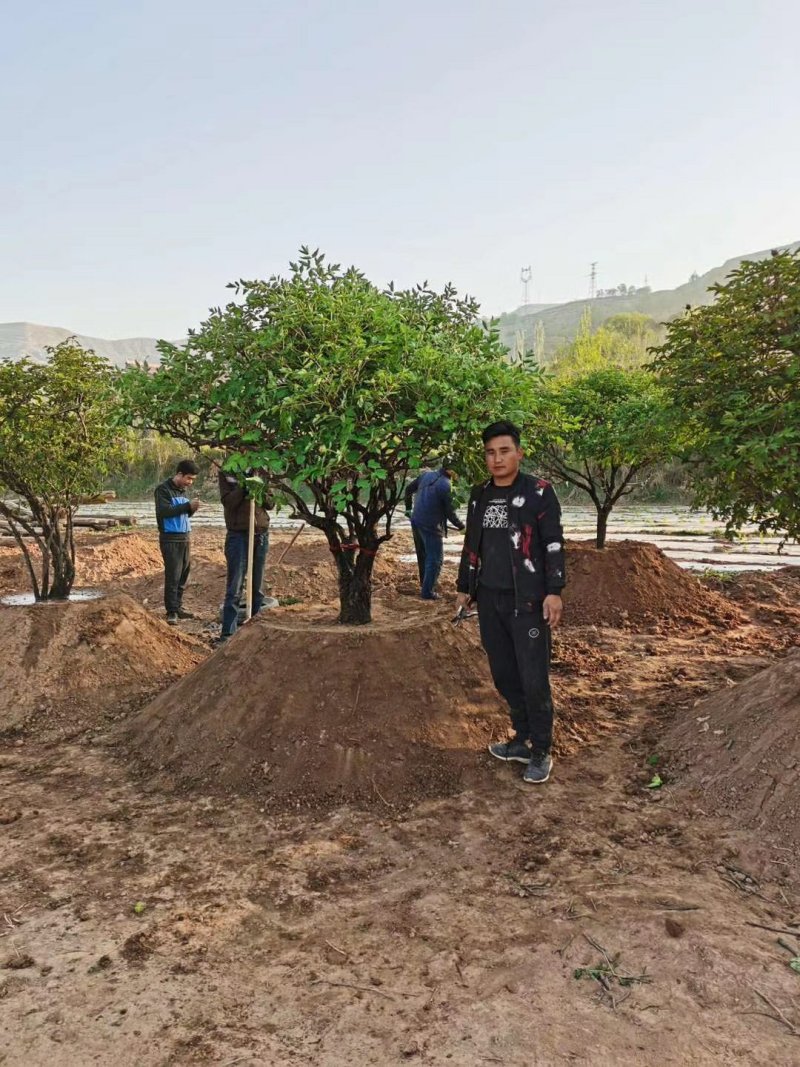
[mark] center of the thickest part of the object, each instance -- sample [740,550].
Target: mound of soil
[305,713]
[308,713]
[631,583]
[69,666]
[99,560]
[126,555]
[770,597]
[741,750]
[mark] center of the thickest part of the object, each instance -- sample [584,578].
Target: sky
[152,152]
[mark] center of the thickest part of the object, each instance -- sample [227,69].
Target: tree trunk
[355,587]
[62,555]
[602,522]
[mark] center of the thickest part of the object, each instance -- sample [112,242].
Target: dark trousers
[433,544]
[177,565]
[518,647]
[236,558]
[419,548]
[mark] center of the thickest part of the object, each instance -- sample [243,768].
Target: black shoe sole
[507,759]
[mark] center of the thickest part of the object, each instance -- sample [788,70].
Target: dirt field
[155,911]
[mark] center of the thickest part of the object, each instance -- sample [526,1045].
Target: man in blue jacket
[433,509]
[173,511]
[513,566]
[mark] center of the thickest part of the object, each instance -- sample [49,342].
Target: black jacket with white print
[535,540]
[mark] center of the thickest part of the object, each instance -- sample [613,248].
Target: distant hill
[561,321]
[19,339]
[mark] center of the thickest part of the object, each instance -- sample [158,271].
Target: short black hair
[187,466]
[502,429]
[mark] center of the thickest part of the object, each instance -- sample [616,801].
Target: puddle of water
[24,600]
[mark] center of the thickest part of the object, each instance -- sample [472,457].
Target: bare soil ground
[590,920]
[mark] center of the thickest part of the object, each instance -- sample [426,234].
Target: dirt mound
[125,555]
[771,597]
[308,713]
[633,583]
[303,712]
[68,666]
[741,750]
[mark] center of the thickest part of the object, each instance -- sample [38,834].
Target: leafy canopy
[601,430]
[57,438]
[733,372]
[334,387]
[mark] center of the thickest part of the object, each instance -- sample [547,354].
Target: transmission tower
[525,276]
[593,281]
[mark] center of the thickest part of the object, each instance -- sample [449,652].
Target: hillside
[27,339]
[561,321]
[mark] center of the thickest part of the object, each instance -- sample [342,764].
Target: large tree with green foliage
[733,371]
[335,390]
[603,431]
[57,443]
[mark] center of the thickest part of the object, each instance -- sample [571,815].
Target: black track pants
[518,647]
[176,572]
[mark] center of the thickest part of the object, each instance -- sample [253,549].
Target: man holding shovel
[240,506]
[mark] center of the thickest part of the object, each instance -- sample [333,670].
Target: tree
[57,443]
[623,340]
[335,390]
[602,431]
[733,372]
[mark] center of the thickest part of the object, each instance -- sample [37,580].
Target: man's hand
[194,505]
[463,600]
[553,610]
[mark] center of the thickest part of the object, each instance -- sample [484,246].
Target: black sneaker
[186,614]
[172,618]
[511,751]
[538,769]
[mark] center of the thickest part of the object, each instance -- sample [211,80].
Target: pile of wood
[88,522]
[95,522]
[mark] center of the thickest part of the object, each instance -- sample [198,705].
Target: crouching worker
[236,505]
[513,566]
[173,511]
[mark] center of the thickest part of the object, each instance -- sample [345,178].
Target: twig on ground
[358,694]
[341,951]
[380,794]
[565,946]
[459,972]
[667,905]
[776,1014]
[774,929]
[789,948]
[351,985]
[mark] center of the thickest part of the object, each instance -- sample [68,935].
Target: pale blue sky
[154,151]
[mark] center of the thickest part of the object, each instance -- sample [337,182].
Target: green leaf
[655,782]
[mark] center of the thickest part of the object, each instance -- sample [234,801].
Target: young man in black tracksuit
[173,511]
[513,566]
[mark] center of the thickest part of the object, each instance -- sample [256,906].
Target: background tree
[733,371]
[335,390]
[603,432]
[624,340]
[57,443]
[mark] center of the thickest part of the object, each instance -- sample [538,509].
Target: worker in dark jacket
[433,509]
[236,505]
[513,566]
[173,516]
